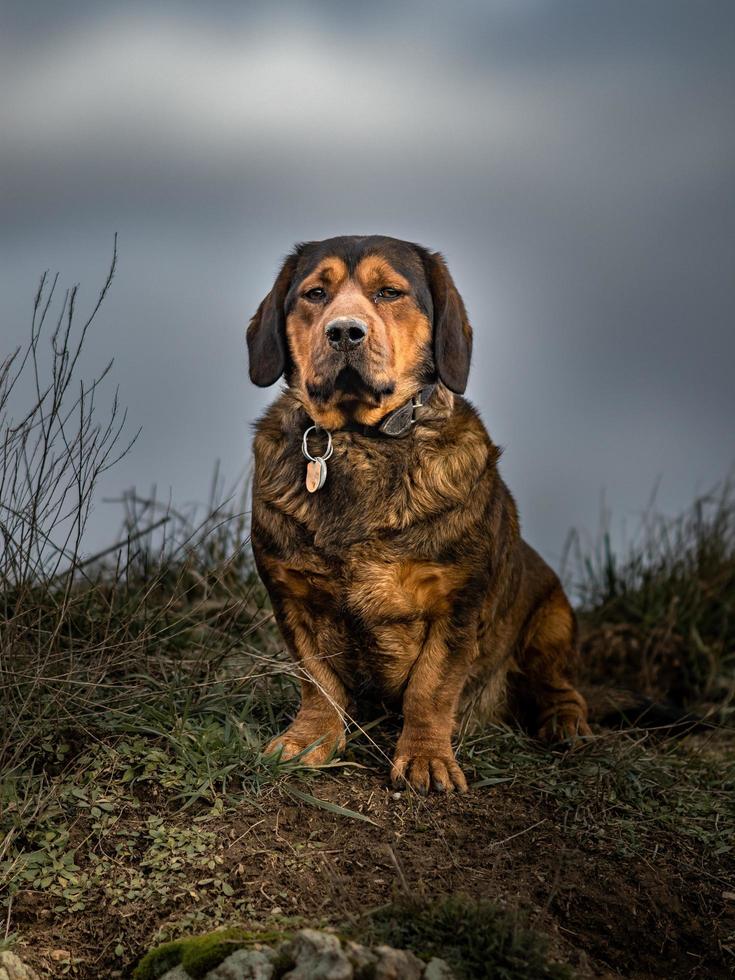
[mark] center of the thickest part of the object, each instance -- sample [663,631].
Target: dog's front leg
[318,726]
[424,757]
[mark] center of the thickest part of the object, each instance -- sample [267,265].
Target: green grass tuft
[624,789]
[476,938]
[660,620]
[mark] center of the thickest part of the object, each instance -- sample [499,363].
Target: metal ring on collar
[305,447]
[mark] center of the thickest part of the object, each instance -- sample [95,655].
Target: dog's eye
[316,295]
[388,292]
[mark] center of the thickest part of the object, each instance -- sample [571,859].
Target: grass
[476,938]
[623,788]
[138,685]
[661,618]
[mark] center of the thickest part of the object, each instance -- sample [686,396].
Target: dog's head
[358,325]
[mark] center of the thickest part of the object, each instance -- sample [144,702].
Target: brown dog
[393,559]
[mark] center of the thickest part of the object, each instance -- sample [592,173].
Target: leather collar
[396,423]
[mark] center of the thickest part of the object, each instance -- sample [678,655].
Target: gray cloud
[574,162]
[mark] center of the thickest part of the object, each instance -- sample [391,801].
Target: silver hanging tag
[316,474]
[316,467]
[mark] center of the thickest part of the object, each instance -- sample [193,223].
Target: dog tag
[316,474]
[316,468]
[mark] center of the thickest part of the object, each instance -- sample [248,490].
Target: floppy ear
[452,330]
[266,334]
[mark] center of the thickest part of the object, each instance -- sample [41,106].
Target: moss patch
[201,954]
[159,961]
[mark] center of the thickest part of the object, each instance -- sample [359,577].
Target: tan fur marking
[554,623]
[374,272]
[330,272]
[302,583]
[409,588]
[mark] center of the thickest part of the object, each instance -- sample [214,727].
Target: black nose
[345,333]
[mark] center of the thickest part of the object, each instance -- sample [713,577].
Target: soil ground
[610,909]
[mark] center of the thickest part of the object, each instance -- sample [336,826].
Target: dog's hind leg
[547,664]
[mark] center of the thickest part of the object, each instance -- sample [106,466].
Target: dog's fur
[406,574]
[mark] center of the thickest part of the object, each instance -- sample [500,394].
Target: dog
[381,527]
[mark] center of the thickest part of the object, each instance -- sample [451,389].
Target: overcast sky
[573,159]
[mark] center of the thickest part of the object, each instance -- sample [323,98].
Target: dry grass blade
[341,811]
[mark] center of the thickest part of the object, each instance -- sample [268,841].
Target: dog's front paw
[425,769]
[317,748]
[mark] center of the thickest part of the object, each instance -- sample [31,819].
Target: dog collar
[396,423]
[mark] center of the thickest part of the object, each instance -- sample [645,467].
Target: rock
[244,964]
[178,973]
[437,969]
[310,955]
[11,968]
[316,956]
[397,964]
[362,959]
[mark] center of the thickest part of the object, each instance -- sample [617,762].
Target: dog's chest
[363,537]
[360,497]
